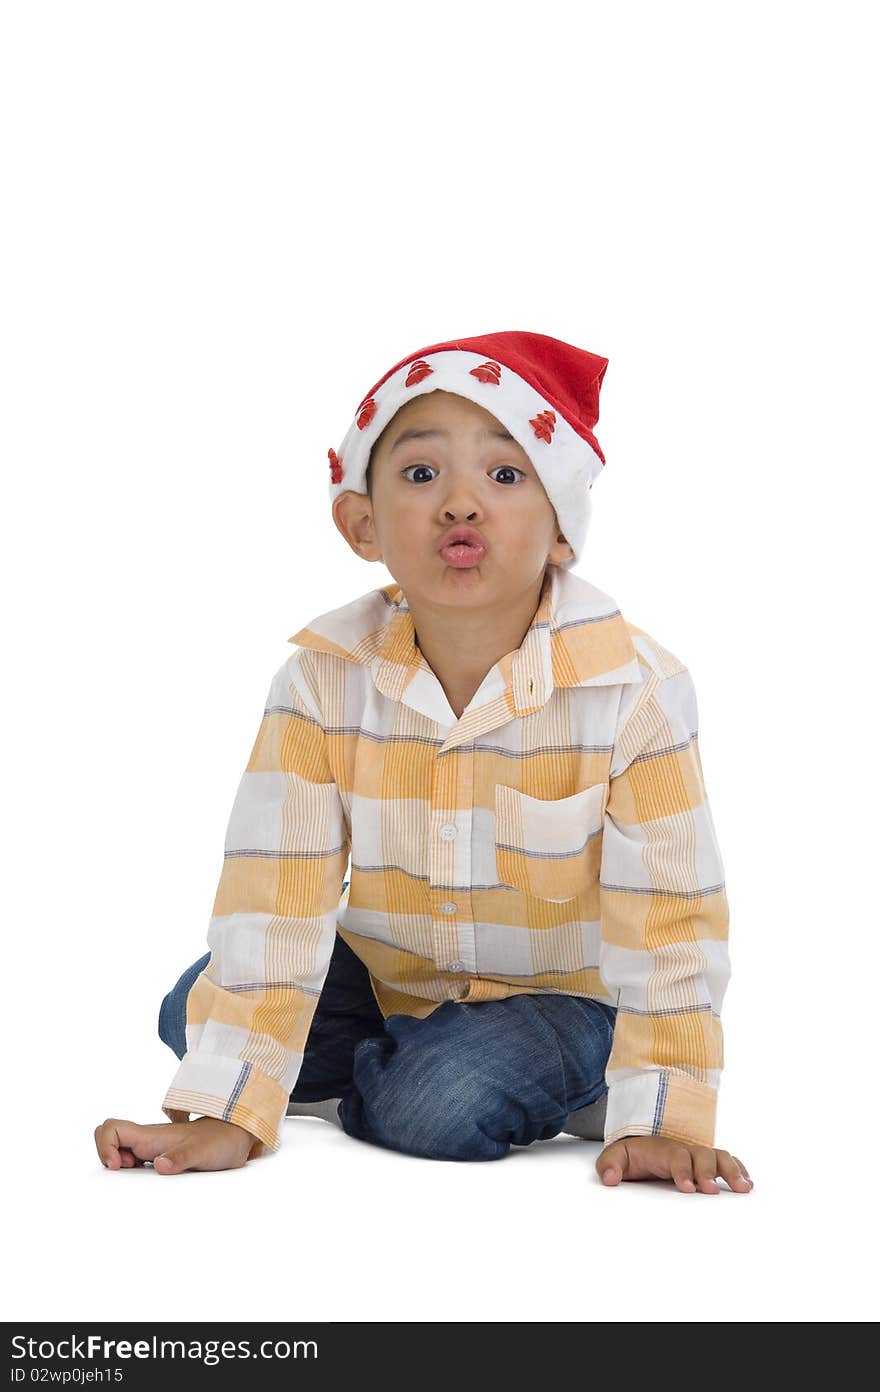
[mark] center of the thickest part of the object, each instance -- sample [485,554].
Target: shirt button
[448,831]
[456,966]
[448,908]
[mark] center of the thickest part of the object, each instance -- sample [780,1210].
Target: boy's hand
[692,1167]
[174,1146]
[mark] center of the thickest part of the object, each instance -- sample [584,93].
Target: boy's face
[467,470]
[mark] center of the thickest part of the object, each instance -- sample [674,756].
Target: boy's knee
[172,1011]
[422,1103]
[167,1031]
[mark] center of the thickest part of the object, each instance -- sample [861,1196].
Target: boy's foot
[326,1108]
[588,1122]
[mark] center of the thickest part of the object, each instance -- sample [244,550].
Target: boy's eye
[503,468]
[508,469]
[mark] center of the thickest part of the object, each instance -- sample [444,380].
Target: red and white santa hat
[544,391]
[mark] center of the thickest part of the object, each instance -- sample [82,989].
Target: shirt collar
[577,637]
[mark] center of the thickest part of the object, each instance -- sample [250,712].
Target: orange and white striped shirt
[556,837]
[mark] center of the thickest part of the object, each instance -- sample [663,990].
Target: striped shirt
[556,837]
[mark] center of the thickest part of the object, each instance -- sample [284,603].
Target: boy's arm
[664,909]
[273,923]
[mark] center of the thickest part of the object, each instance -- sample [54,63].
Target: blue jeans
[464,1083]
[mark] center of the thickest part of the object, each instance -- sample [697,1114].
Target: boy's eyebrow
[425,432]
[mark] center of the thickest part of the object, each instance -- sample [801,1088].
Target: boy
[534,938]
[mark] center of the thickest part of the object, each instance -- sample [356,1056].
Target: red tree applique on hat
[543,424]
[335,466]
[418,372]
[365,413]
[488,372]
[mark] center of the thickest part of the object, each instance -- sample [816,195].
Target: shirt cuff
[657,1102]
[231,1090]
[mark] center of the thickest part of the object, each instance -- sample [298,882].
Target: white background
[222,223]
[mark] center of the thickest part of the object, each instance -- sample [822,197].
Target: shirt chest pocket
[549,848]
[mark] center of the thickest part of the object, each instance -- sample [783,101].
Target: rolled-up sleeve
[273,923]
[664,933]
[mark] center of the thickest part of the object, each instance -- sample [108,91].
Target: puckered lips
[462,546]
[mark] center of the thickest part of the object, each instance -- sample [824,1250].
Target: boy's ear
[561,550]
[353,516]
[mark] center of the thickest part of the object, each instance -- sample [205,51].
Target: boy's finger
[611,1164]
[705,1169]
[108,1152]
[681,1169]
[731,1171]
[177,1158]
[145,1141]
[117,1135]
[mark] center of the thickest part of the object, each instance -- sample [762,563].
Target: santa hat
[544,391]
